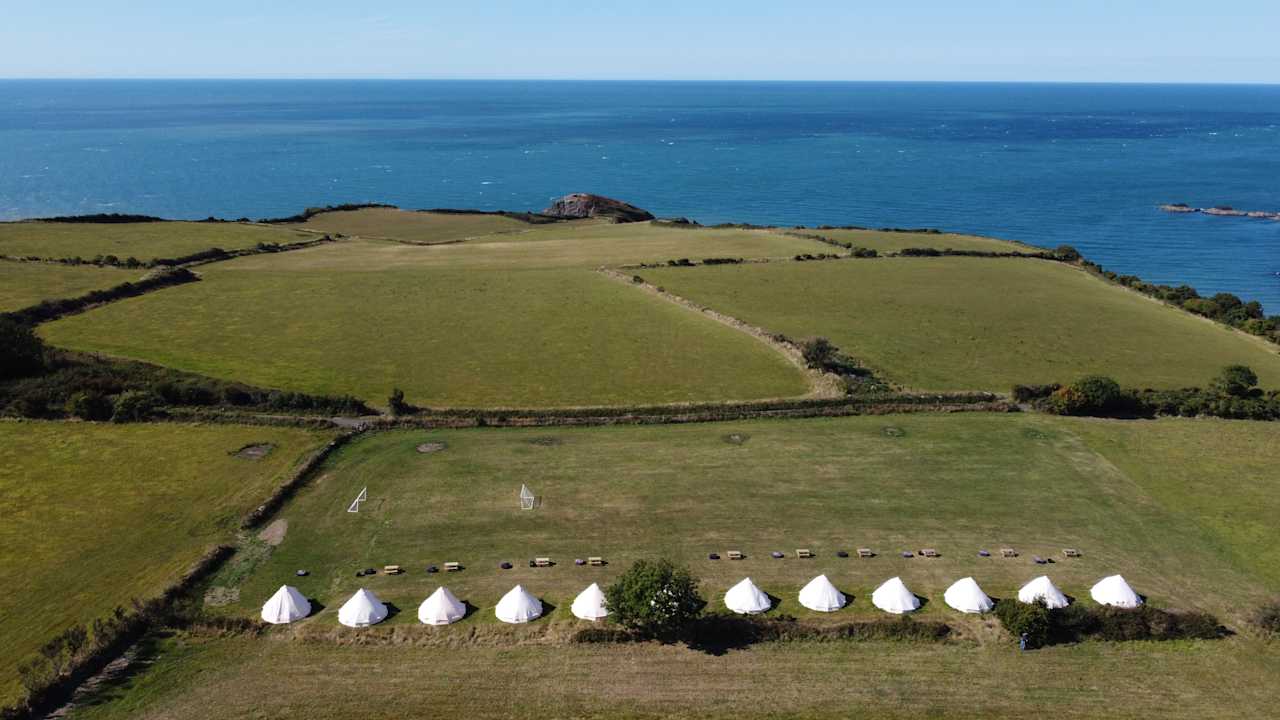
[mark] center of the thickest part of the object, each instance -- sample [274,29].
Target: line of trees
[1232,393]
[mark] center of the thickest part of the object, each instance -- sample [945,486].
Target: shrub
[1235,380]
[21,350]
[1021,618]
[1027,393]
[134,406]
[1066,253]
[89,406]
[396,403]
[655,598]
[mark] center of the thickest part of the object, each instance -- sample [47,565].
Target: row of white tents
[520,606]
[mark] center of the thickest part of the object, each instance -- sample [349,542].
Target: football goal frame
[354,507]
[528,500]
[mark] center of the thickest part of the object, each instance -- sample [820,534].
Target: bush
[397,405]
[1027,393]
[89,406]
[655,598]
[1066,253]
[1235,380]
[1021,618]
[134,406]
[21,350]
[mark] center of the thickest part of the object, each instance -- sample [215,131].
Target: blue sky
[1047,40]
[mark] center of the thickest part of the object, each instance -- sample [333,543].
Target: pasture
[447,337]
[23,284]
[413,227]
[958,483]
[886,242]
[144,241]
[975,323]
[95,515]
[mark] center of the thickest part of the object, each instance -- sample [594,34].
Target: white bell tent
[518,606]
[441,608]
[893,597]
[527,499]
[286,606]
[821,595]
[965,595]
[746,599]
[590,605]
[1114,591]
[363,609]
[1042,588]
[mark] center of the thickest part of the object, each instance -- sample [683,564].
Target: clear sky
[1048,40]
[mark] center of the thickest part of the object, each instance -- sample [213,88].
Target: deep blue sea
[1046,164]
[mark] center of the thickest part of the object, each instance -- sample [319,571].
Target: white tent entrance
[528,500]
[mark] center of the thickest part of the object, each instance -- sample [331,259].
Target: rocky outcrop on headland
[586,205]
[1221,211]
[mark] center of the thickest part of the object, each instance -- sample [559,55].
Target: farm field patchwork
[23,284]
[97,514]
[447,337]
[144,241]
[975,323]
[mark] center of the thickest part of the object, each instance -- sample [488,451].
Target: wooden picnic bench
[1008,552]
[866,553]
[542,562]
[804,553]
[452,566]
[734,555]
[595,561]
[392,569]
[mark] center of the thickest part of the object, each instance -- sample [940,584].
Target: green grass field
[886,242]
[447,337]
[95,515]
[144,241]
[23,284]
[976,324]
[414,227]
[957,483]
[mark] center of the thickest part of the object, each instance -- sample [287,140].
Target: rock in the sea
[586,205]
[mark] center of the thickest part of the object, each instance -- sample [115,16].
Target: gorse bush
[1029,619]
[22,352]
[1076,623]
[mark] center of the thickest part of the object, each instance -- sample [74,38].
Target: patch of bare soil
[255,452]
[431,447]
[736,438]
[220,596]
[273,534]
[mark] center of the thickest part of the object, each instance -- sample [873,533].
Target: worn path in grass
[976,323]
[144,241]
[95,515]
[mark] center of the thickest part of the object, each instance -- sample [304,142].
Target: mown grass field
[976,323]
[23,284]
[498,324]
[957,483]
[144,241]
[94,515]
[886,242]
[447,337]
[414,227]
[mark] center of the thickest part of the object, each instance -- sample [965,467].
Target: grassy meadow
[144,241]
[887,242]
[974,323]
[413,226]
[957,483]
[97,514]
[23,284]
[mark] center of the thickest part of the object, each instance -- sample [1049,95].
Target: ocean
[1047,164]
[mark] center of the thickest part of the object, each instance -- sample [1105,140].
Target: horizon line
[364,78]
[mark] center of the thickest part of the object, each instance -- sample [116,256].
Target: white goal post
[527,499]
[355,504]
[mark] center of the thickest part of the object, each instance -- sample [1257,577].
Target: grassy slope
[362,317]
[95,515]
[969,323]
[956,482]
[141,240]
[895,241]
[24,284]
[519,338]
[418,227]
